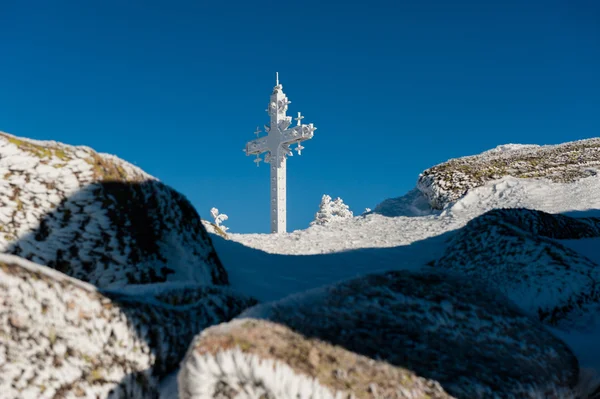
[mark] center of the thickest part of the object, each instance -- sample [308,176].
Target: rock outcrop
[60,337]
[98,218]
[268,360]
[448,181]
[429,327]
[515,251]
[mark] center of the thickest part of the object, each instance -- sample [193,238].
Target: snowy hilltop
[528,240]
[472,285]
[565,163]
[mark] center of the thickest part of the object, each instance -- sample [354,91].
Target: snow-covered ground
[272,266]
[376,231]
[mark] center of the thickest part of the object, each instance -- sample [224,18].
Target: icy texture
[412,223]
[568,162]
[331,211]
[513,250]
[97,218]
[413,203]
[470,339]
[259,359]
[60,337]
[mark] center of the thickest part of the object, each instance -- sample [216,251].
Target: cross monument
[277,148]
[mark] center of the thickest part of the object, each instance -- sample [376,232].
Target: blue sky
[178,87]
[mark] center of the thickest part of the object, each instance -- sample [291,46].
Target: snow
[273,266]
[260,377]
[377,231]
[401,233]
[511,147]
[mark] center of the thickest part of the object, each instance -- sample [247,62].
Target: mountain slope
[542,260]
[98,218]
[515,251]
[563,163]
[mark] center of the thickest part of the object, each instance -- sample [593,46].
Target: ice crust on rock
[567,162]
[471,340]
[517,252]
[98,218]
[60,337]
[253,358]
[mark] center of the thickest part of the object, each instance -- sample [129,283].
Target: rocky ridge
[567,162]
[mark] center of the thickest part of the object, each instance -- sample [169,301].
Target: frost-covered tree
[330,210]
[219,218]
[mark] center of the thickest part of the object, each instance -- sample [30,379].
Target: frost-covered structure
[566,162]
[515,251]
[330,211]
[219,218]
[468,338]
[277,148]
[98,218]
[62,338]
[261,359]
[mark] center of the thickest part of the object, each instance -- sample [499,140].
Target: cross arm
[298,133]
[256,146]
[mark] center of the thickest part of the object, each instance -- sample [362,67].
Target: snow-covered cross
[277,148]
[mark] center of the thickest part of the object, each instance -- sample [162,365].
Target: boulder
[98,218]
[567,162]
[424,328]
[515,251]
[60,337]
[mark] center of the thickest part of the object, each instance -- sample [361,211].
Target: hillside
[545,261]
[125,275]
[563,163]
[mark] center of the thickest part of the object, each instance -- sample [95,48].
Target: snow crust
[378,231]
[98,218]
[276,362]
[62,337]
[567,162]
[438,326]
[254,378]
[261,265]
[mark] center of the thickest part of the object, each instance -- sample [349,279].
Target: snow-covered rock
[567,162]
[60,337]
[413,203]
[443,328]
[259,359]
[98,218]
[515,251]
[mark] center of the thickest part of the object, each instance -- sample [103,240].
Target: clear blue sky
[178,87]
